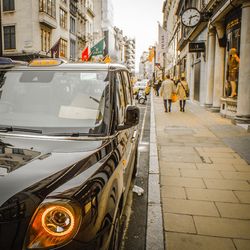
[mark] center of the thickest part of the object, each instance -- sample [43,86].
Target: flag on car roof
[85,54]
[98,48]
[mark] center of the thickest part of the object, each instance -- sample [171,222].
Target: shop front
[232,62]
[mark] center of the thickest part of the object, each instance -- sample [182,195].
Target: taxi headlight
[53,224]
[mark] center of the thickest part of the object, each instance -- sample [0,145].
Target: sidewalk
[204,180]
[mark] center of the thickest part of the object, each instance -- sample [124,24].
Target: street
[204,182]
[136,211]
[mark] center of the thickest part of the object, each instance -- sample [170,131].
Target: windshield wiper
[13,129]
[94,99]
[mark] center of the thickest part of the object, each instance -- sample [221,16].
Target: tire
[116,236]
[141,100]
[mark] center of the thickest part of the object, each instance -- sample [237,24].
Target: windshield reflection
[55,99]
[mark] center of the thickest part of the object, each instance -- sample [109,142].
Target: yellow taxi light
[45,62]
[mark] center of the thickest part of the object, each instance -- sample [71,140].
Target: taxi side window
[120,97]
[127,86]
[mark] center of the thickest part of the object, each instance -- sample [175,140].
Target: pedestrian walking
[182,91]
[166,91]
[157,85]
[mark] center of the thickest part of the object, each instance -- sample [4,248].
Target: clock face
[191,17]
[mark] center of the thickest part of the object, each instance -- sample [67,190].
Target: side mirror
[132,116]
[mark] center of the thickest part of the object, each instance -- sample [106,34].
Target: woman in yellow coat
[181,89]
[167,88]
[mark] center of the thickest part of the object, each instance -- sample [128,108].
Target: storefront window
[232,55]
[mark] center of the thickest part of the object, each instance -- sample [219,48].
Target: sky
[138,19]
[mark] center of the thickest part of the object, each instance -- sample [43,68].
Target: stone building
[76,24]
[146,67]
[218,77]
[130,54]
[31,28]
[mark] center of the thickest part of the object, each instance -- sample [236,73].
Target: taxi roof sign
[41,62]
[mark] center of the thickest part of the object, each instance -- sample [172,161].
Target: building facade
[44,23]
[65,26]
[130,54]
[218,76]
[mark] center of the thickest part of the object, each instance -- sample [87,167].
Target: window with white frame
[9,33]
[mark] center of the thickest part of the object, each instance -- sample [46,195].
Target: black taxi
[68,153]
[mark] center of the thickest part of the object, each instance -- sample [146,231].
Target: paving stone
[236,175]
[220,155]
[177,165]
[237,211]
[189,207]
[170,172]
[184,157]
[242,244]
[227,184]
[201,173]
[155,235]
[227,160]
[242,167]
[168,150]
[153,164]
[214,149]
[243,196]
[211,195]
[180,241]
[182,182]
[237,156]
[178,223]
[173,192]
[223,227]
[154,191]
[218,166]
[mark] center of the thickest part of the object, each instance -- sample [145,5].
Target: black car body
[68,146]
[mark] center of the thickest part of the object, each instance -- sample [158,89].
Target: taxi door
[127,138]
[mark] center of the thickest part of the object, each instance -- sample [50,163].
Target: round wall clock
[190,17]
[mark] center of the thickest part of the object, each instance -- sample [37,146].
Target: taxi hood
[27,162]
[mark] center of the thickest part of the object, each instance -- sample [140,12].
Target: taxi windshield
[55,101]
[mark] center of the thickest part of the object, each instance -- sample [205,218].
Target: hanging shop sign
[197,47]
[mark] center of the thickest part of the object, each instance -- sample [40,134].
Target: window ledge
[8,11]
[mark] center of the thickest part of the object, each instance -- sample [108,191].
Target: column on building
[219,63]
[188,66]
[210,68]
[243,105]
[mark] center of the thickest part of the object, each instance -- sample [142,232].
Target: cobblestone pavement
[204,179]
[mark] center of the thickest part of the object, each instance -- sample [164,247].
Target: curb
[154,235]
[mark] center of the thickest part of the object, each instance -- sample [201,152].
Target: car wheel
[115,239]
[141,100]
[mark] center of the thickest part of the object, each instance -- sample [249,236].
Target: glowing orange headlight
[54,223]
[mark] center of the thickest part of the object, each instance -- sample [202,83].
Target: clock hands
[191,17]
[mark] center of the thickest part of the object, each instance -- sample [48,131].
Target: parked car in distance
[143,85]
[68,152]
